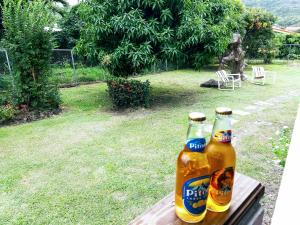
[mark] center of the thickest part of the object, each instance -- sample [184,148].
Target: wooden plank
[245,194]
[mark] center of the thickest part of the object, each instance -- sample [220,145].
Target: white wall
[287,205]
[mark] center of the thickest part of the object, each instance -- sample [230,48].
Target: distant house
[295,29]
[282,30]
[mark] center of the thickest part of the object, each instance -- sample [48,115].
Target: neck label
[223,136]
[196,145]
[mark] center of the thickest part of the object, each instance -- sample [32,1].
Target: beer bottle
[192,173]
[222,158]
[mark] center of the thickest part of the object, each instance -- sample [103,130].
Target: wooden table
[245,208]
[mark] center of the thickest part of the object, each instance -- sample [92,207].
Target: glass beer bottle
[222,158]
[192,174]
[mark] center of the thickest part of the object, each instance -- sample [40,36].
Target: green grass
[90,165]
[68,75]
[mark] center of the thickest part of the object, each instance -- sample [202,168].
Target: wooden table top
[245,193]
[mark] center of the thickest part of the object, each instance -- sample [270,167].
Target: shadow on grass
[172,97]
[86,98]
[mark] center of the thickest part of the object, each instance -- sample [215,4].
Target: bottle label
[221,186]
[196,145]
[223,136]
[194,194]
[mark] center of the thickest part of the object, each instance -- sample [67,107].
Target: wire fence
[288,54]
[292,54]
[63,66]
[6,80]
[5,64]
[68,69]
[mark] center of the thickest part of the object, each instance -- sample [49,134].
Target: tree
[289,46]
[128,36]
[70,24]
[53,4]
[259,37]
[206,28]
[30,47]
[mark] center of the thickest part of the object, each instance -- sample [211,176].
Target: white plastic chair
[228,81]
[260,75]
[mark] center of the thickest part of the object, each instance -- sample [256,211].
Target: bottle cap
[197,116]
[223,111]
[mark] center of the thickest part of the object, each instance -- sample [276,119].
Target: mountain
[288,11]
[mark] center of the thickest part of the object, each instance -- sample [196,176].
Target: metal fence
[5,64]
[63,66]
[6,79]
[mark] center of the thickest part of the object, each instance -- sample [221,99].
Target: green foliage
[70,24]
[286,51]
[259,37]
[84,74]
[286,10]
[1,22]
[30,47]
[53,5]
[281,146]
[7,112]
[57,6]
[128,93]
[206,28]
[128,36]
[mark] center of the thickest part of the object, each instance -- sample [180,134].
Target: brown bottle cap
[223,111]
[197,116]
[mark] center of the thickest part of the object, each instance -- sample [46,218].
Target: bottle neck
[195,140]
[222,131]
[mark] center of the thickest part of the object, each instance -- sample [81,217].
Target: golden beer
[192,174]
[222,159]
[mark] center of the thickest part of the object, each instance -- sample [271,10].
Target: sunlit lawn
[90,165]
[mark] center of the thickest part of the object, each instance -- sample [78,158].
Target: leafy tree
[289,46]
[1,23]
[128,36]
[53,5]
[259,37]
[70,24]
[30,47]
[207,27]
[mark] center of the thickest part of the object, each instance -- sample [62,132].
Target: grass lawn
[90,165]
[82,74]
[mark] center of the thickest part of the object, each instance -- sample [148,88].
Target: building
[282,30]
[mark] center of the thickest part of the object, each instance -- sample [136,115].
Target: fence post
[74,68]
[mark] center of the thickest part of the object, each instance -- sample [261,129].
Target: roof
[293,29]
[283,30]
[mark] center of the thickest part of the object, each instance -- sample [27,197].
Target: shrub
[289,48]
[7,112]
[128,93]
[281,146]
[30,46]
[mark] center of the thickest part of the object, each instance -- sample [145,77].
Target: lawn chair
[228,81]
[259,75]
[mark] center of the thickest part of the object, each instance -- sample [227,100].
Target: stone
[210,84]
